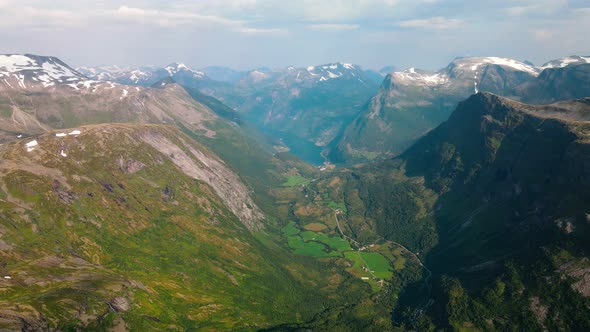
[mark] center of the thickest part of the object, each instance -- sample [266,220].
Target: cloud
[258,31]
[333,27]
[166,18]
[345,10]
[537,7]
[435,23]
[542,35]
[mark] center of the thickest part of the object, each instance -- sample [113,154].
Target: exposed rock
[540,311]
[64,195]
[22,318]
[119,304]
[205,167]
[566,225]
[129,166]
[4,246]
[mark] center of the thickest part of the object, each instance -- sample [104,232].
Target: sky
[246,34]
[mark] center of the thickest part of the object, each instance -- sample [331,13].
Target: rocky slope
[40,93]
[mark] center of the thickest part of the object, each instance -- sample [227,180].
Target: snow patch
[31,145]
[414,77]
[61,134]
[474,63]
[63,154]
[74,132]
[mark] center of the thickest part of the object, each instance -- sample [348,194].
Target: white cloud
[258,31]
[542,35]
[436,23]
[166,18]
[333,27]
[537,7]
[344,10]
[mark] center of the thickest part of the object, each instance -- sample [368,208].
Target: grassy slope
[99,232]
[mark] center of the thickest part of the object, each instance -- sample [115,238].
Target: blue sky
[250,33]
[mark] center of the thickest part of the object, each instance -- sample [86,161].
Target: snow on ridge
[413,76]
[48,68]
[31,145]
[175,68]
[331,70]
[564,62]
[33,70]
[475,62]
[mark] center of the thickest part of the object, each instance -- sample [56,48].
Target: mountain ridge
[412,102]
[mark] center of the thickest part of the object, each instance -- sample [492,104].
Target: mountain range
[166,198]
[412,102]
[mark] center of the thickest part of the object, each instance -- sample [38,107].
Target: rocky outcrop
[211,170]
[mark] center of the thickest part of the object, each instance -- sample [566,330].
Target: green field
[335,205]
[296,180]
[314,244]
[374,261]
[316,249]
[290,229]
[334,242]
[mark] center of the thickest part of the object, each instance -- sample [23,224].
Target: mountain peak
[175,68]
[564,62]
[475,63]
[21,69]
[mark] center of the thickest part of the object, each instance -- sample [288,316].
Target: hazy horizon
[248,34]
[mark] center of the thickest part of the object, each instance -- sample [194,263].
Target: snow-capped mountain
[176,68]
[143,76]
[334,70]
[491,73]
[564,62]
[419,77]
[411,102]
[38,93]
[117,74]
[223,74]
[31,70]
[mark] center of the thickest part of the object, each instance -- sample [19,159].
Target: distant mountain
[564,62]
[387,70]
[27,71]
[555,84]
[375,76]
[144,76]
[41,93]
[412,102]
[223,74]
[311,104]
